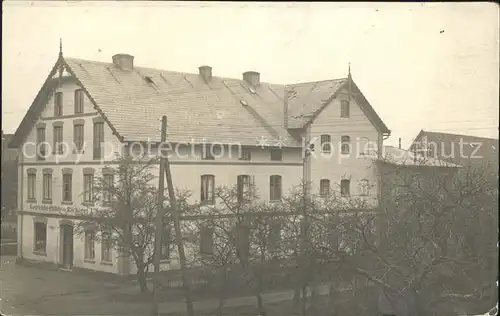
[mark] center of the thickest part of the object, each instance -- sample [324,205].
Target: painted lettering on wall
[67,210]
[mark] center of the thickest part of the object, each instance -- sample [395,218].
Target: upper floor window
[365,146]
[276,155]
[98,139]
[275,188]
[345,187]
[79,101]
[58,140]
[324,187]
[31,186]
[88,186]
[207,189]
[58,104]
[364,187]
[245,154]
[78,136]
[326,145]
[47,187]
[108,181]
[40,140]
[346,145]
[67,187]
[244,188]
[345,108]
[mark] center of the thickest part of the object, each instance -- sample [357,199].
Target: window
[98,139]
[78,101]
[47,187]
[345,189]
[276,154]
[40,244]
[324,187]
[242,239]
[245,154]
[78,136]
[244,188]
[165,243]
[58,104]
[274,235]
[275,188]
[106,246]
[31,186]
[40,140]
[207,189]
[90,245]
[108,181]
[326,145]
[67,187]
[364,187]
[88,185]
[206,240]
[344,108]
[346,146]
[58,140]
[206,154]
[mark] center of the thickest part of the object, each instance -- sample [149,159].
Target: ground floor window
[40,237]
[90,245]
[106,247]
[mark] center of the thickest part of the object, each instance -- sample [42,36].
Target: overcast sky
[422,66]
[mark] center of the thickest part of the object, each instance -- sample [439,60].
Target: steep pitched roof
[134,102]
[221,110]
[307,100]
[487,148]
[402,157]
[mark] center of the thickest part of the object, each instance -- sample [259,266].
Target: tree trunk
[303,305]
[260,305]
[222,292]
[142,278]
[258,288]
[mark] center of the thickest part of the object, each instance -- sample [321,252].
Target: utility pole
[178,235]
[304,224]
[159,219]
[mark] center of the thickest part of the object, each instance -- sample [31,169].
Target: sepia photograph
[185,158]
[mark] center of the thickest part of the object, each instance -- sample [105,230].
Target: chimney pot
[205,72]
[252,77]
[124,61]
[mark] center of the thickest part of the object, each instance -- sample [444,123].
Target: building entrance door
[67,245]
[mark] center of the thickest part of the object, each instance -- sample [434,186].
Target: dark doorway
[67,245]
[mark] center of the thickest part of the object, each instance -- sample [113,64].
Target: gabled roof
[307,100]
[222,110]
[401,157]
[488,148]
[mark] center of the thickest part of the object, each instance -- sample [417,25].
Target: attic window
[243,102]
[252,90]
[149,80]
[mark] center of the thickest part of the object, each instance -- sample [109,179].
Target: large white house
[87,112]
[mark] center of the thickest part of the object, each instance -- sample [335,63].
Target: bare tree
[126,219]
[416,254]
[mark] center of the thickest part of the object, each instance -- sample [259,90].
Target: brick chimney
[205,72]
[124,61]
[252,77]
